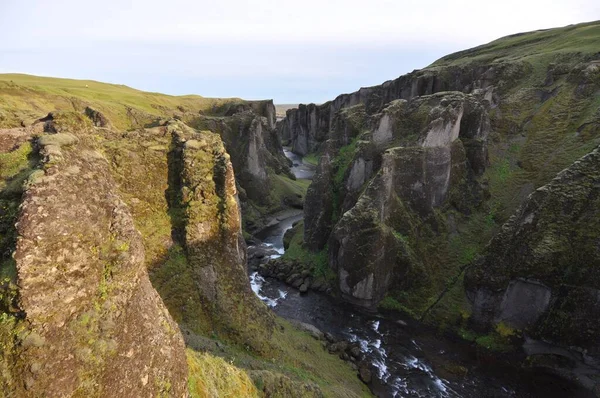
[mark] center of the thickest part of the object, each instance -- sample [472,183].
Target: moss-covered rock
[540,274]
[517,110]
[212,238]
[89,313]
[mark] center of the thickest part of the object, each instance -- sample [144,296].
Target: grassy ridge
[26,98]
[580,38]
[539,127]
[298,359]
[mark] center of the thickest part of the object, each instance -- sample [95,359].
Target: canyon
[435,235]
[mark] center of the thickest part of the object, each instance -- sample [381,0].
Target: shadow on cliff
[10,199]
[204,284]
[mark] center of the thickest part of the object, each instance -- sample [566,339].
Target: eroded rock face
[91,314]
[213,240]
[97,118]
[307,126]
[404,166]
[250,137]
[540,273]
[318,207]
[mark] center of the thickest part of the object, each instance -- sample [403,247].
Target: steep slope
[91,306]
[246,127]
[413,181]
[540,276]
[85,312]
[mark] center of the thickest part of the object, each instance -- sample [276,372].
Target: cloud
[291,50]
[272,21]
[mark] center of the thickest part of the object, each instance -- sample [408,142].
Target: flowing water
[408,359]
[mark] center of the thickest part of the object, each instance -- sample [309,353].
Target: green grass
[298,356]
[284,186]
[312,158]
[11,163]
[581,38]
[26,97]
[316,262]
[390,303]
[211,376]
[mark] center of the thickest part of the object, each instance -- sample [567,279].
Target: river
[408,359]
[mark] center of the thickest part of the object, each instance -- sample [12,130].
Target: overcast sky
[291,51]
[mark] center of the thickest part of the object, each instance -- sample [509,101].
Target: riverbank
[405,358]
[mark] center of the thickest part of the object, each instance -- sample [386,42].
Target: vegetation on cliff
[175,185]
[533,108]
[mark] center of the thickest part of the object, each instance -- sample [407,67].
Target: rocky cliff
[540,274]
[418,174]
[404,169]
[84,319]
[95,217]
[246,127]
[251,139]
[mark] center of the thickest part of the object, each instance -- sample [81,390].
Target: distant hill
[280,109]
[24,98]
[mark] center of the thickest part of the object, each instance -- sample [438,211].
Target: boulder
[308,328]
[364,373]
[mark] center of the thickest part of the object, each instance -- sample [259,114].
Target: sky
[291,51]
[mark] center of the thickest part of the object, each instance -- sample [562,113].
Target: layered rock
[211,235]
[540,274]
[369,247]
[93,324]
[249,134]
[308,126]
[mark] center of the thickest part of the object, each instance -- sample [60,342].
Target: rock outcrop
[250,137]
[540,274]
[212,238]
[417,175]
[308,126]
[369,247]
[92,324]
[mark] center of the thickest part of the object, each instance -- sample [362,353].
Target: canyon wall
[417,175]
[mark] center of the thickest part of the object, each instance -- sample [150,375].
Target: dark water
[408,359]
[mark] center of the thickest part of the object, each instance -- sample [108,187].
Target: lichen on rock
[90,312]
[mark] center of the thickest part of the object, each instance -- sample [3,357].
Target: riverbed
[408,359]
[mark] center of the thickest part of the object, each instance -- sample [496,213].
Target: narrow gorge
[437,235]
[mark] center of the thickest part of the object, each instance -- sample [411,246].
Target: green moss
[390,303]
[342,161]
[25,97]
[312,158]
[15,168]
[10,330]
[504,330]
[14,162]
[297,356]
[175,283]
[68,121]
[494,342]
[211,376]
[317,263]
